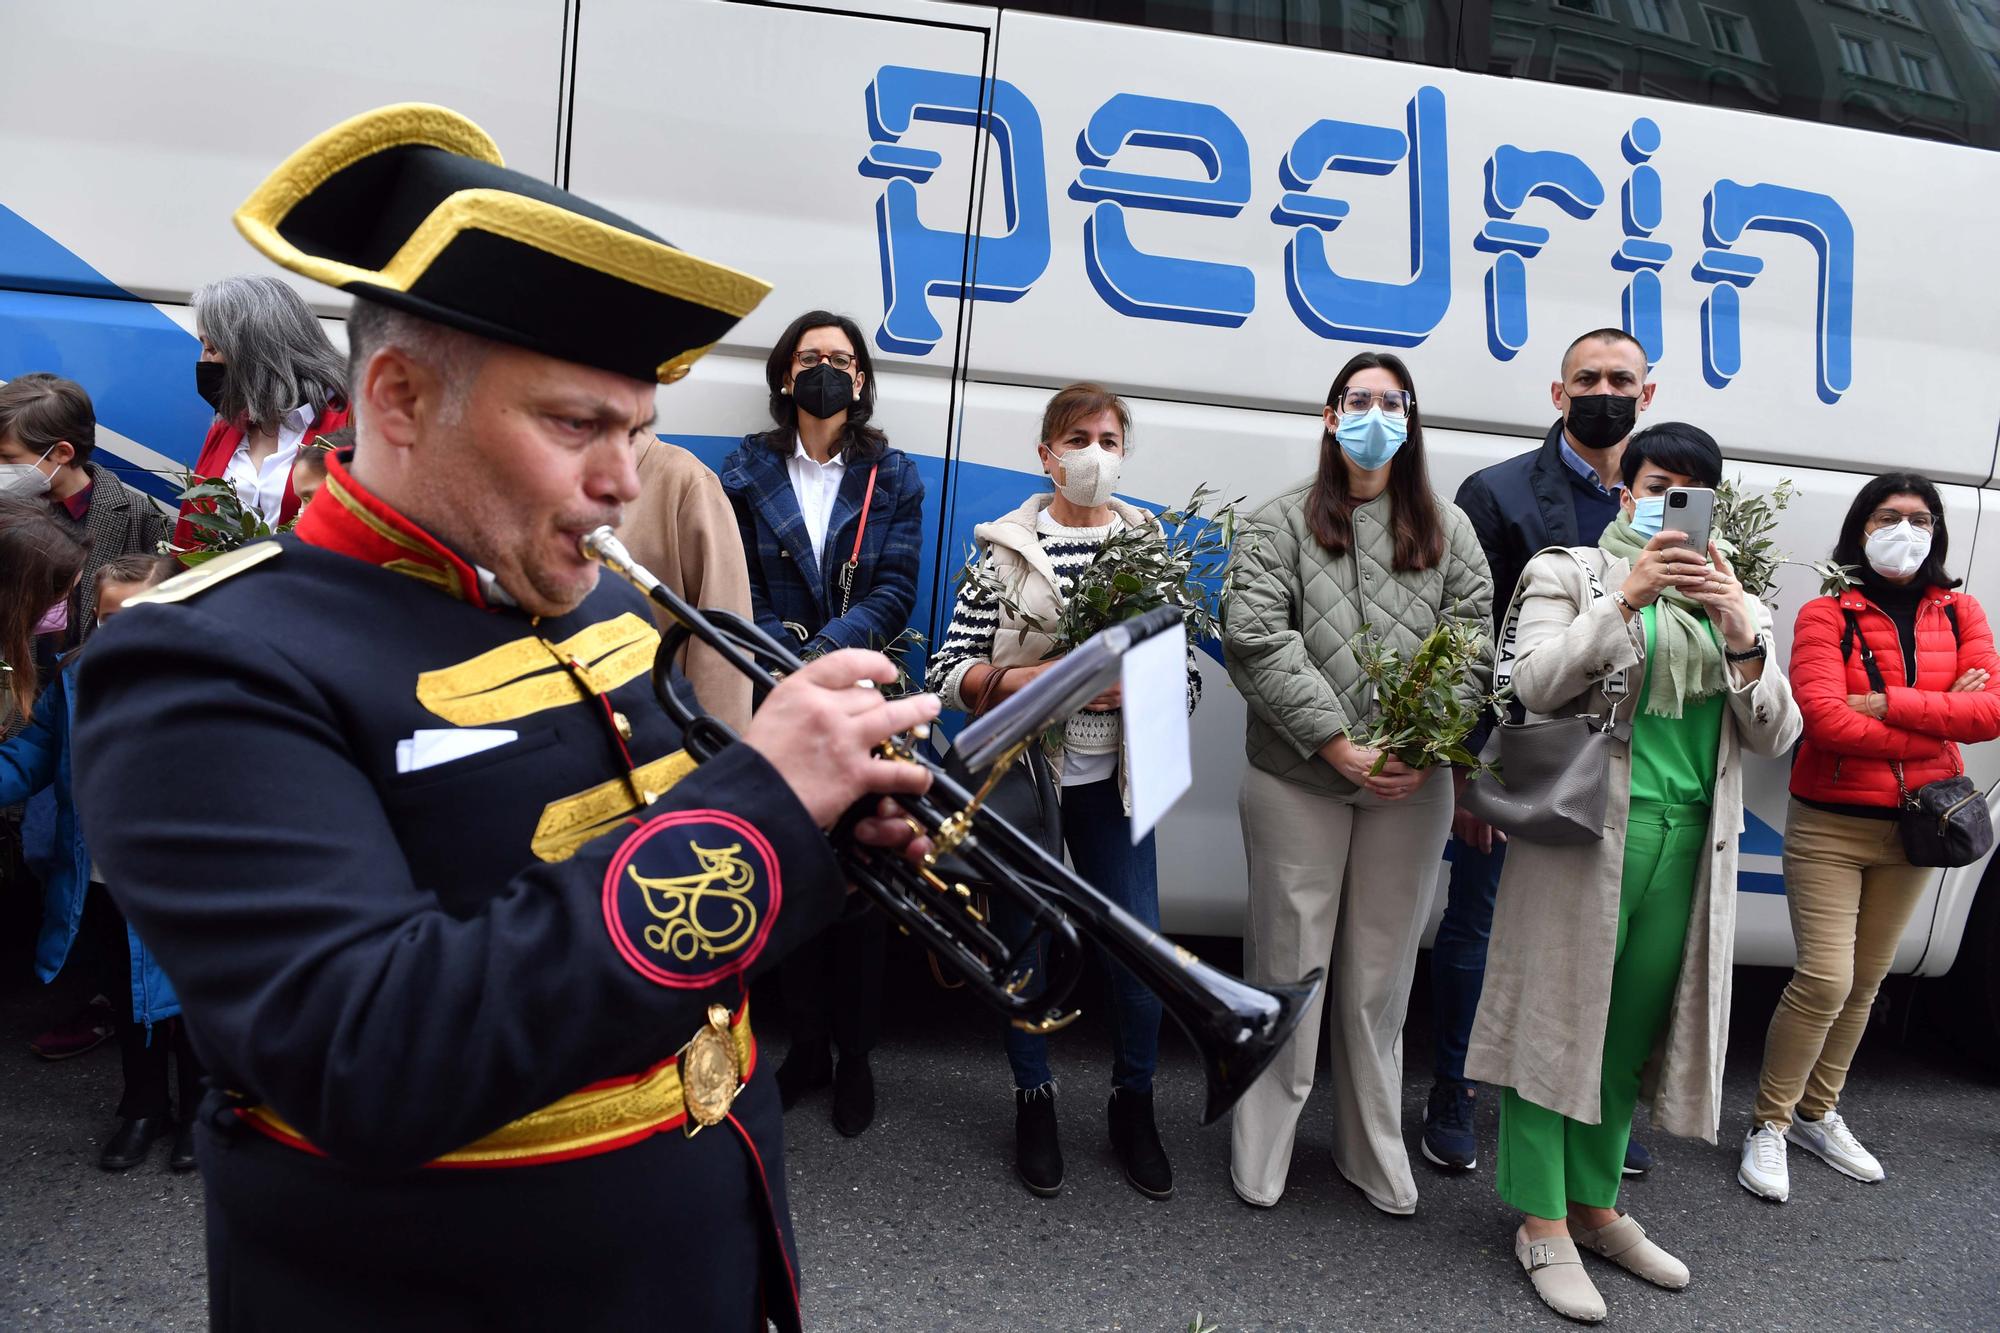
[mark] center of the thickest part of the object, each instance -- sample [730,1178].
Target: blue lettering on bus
[1514,176]
[920,262]
[1132,281]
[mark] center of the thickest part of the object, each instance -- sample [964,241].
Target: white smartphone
[1691,509]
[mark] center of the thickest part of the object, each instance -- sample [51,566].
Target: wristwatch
[1753,653]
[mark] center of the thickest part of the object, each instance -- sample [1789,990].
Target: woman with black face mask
[276,384]
[832,522]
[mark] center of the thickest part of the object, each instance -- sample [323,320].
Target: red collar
[78,505]
[346,518]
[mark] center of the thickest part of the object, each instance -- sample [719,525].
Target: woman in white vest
[993,648]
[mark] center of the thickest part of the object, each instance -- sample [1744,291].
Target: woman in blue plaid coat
[832,522]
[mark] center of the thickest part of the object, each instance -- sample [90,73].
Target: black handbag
[1944,823]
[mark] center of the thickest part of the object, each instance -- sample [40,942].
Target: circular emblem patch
[690,898]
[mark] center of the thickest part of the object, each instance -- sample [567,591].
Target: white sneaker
[1763,1171]
[1830,1140]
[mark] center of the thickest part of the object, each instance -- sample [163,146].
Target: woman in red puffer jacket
[1849,887]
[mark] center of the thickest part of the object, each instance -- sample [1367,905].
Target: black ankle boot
[804,1070]
[128,1147]
[1037,1155]
[1136,1140]
[182,1158]
[853,1095]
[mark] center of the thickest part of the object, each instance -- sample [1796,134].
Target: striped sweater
[975,627]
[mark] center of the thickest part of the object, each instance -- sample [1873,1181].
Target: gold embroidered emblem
[711,1072]
[705,914]
[532,675]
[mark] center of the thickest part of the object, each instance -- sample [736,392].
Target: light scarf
[1686,659]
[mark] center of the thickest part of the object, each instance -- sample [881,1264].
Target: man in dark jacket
[1562,494]
[47,424]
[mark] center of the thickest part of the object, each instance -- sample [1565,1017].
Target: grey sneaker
[1830,1140]
[1764,1172]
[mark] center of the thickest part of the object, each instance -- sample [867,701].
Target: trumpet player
[460,931]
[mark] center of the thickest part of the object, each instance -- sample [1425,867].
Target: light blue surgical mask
[1370,438]
[1649,515]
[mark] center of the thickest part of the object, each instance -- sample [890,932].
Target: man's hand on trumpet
[820,732]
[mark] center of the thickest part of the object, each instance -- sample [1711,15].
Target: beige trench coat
[682,528]
[1542,1012]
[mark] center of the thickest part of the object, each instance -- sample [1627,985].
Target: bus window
[1423,31]
[1887,65]
[1929,71]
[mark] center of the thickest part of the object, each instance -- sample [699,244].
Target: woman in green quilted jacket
[1343,857]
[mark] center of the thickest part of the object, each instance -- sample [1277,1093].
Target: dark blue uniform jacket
[398,963]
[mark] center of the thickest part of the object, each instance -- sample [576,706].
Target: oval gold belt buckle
[711,1074]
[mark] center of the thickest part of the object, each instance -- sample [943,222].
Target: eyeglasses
[1889,518]
[1395,402]
[838,360]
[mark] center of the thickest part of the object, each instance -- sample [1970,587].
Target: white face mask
[1898,552]
[25,481]
[1090,475]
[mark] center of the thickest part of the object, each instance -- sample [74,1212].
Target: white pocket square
[427,748]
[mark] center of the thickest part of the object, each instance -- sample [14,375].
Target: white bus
[1209,206]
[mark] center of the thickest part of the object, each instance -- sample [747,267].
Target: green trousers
[1548,1160]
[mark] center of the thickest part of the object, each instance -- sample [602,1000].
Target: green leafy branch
[1420,714]
[220,520]
[1745,524]
[1176,561]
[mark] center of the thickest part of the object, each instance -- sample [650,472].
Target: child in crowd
[75,903]
[309,468]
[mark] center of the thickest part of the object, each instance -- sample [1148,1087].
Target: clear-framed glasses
[1394,402]
[1888,518]
[838,360]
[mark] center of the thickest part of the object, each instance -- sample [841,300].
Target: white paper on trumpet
[1154,677]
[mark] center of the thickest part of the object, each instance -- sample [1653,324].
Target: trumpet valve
[949,835]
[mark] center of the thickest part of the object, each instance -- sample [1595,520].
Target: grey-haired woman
[275,382]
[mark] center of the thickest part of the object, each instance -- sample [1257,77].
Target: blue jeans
[1458,956]
[1099,836]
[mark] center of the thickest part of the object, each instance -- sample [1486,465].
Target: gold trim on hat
[550,228]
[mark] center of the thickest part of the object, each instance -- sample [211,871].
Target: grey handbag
[1553,775]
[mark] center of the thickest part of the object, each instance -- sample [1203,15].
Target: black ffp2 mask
[208,377]
[823,391]
[1600,420]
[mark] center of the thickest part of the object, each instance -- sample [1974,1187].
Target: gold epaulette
[207,574]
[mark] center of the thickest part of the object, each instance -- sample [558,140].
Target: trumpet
[1238,1028]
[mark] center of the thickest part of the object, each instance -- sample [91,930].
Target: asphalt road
[919,1225]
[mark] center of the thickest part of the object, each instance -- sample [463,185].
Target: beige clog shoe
[1556,1269]
[1624,1243]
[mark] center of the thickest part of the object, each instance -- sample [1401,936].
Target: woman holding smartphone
[1611,954]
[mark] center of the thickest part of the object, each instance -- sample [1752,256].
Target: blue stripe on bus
[59,314]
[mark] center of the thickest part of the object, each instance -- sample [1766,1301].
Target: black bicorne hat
[411,207]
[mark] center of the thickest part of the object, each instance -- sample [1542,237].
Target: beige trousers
[1344,883]
[1850,893]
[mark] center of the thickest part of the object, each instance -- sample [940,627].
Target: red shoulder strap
[861,528]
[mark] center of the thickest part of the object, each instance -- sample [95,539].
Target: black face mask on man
[208,376]
[823,391]
[1600,420]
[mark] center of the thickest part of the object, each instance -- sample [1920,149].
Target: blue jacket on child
[38,759]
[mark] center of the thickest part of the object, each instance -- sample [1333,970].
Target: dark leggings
[144,1055]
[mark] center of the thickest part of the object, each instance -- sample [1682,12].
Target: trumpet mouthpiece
[603,546]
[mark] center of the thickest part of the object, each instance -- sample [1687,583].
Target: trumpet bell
[1240,1028]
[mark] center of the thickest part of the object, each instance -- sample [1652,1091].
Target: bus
[1207,206]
